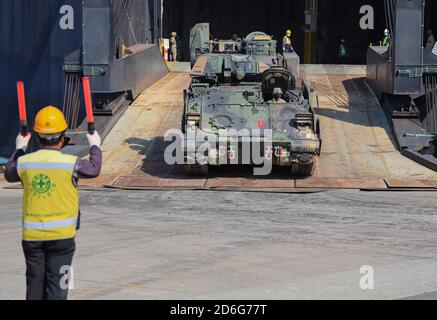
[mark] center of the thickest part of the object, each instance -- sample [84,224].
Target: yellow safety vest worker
[50,198]
[287,41]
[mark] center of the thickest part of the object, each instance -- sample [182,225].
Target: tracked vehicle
[231,91]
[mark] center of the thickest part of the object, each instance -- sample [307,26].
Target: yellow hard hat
[288,32]
[50,120]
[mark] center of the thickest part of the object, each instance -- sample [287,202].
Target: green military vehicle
[242,91]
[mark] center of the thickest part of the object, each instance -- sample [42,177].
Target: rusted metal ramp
[358,147]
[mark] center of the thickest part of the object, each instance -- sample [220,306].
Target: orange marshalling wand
[22,107]
[88,104]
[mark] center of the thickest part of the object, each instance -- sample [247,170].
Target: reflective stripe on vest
[45,165]
[50,224]
[50,200]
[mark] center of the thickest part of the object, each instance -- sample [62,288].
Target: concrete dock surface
[236,245]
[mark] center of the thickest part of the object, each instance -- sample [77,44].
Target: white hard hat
[386,32]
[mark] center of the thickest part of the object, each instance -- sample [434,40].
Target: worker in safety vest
[286,42]
[50,203]
[387,38]
[430,40]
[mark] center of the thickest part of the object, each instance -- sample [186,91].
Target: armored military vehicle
[256,44]
[234,89]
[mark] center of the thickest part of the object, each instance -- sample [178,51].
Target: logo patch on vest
[41,185]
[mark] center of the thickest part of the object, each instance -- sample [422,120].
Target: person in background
[430,41]
[286,43]
[343,52]
[173,47]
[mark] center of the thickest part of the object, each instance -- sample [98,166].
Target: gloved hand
[94,139]
[22,142]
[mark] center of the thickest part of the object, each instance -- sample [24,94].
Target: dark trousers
[288,49]
[46,262]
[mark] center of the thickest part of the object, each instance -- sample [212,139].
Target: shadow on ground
[154,164]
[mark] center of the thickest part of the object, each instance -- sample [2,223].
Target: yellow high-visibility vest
[50,198]
[287,41]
